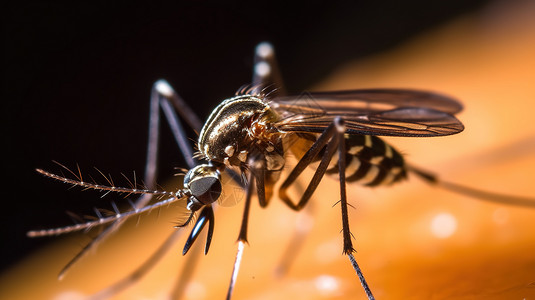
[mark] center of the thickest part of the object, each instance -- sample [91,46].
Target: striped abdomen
[369,160]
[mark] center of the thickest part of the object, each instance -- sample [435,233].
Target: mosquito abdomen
[369,160]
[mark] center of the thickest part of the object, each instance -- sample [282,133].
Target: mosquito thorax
[240,127]
[203,184]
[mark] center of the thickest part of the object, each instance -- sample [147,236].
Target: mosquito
[250,137]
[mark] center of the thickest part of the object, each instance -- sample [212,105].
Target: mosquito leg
[265,182]
[260,176]
[326,138]
[168,98]
[85,250]
[336,131]
[303,228]
[270,178]
[150,178]
[303,225]
[265,73]
[168,94]
[165,90]
[472,192]
[298,169]
[348,245]
[235,269]
[242,237]
[161,94]
[139,272]
[266,70]
[363,282]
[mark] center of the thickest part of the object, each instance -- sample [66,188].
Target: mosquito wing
[391,112]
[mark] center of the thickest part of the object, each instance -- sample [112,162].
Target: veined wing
[391,112]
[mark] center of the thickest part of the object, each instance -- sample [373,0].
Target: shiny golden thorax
[240,127]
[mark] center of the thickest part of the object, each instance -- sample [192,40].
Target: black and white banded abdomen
[369,160]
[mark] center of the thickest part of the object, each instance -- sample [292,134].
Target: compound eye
[206,189]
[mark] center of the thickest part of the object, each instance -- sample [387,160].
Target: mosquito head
[203,183]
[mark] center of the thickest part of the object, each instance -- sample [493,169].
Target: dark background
[77,79]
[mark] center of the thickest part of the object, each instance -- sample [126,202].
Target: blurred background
[76,86]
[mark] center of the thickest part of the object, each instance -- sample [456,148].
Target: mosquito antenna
[473,192]
[113,216]
[95,186]
[101,219]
